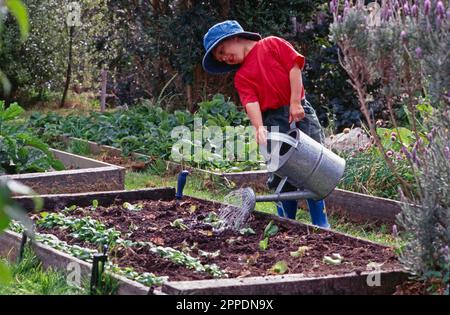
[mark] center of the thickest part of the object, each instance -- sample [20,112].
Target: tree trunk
[69,68]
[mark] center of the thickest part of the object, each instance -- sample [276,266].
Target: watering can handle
[282,137]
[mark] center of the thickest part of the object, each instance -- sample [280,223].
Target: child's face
[230,51]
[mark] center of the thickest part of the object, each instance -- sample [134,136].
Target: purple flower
[393,138]
[419,53]
[414,155]
[389,153]
[406,152]
[346,11]
[426,7]
[440,10]
[404,36]
[332,7]
[420,142]
[406,9]
[414,10]
[447,153]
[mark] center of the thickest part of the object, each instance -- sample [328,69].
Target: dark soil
[240,256]
[126,162]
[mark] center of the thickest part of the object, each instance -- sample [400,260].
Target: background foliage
[144,44]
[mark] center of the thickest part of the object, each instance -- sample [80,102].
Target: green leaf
[192,208]
[129,206]
[5,274]
[20,12]
[178,223]
[270,230]
[280,267]
[247,231]
[95,203]
[336,259]
[300,252]
[4,220]
[5,82]
[264,243]
[13,111]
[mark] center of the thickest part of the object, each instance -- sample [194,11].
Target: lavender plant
[403,46]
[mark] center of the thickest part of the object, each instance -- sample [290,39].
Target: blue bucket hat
[217,34]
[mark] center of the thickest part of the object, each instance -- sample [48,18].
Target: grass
[30,278]
[207,188]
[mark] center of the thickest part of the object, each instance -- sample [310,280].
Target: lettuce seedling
[178,223]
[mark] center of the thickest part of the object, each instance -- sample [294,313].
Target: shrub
[404,47]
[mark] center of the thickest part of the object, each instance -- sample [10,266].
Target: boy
[269,83]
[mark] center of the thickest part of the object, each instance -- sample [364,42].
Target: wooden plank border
[89,175]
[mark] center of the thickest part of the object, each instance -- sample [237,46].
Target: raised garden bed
[356,207]
[82,174]
[227,262]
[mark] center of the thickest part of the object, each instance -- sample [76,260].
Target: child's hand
[261,135]
[296,112]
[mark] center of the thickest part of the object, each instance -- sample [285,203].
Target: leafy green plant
[334,259]
[86,254]
[247,231]
[405,52]
[133,207]
[124,130]
[300,252]
[95,232]
[10,210]
[178,224]
[20,150]
[280,267]
[270,230]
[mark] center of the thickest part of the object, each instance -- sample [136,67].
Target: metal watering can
[305,164]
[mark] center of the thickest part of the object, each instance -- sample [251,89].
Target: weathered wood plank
[351,283]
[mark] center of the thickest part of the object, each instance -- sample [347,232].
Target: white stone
[347,141]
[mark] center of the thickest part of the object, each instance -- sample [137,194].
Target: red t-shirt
[264,75]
